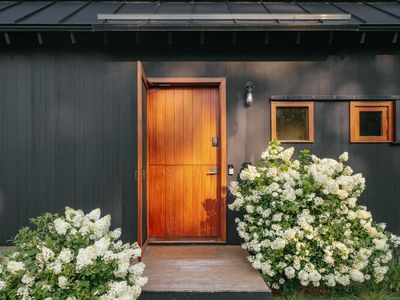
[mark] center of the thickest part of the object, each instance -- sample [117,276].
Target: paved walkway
[200,269]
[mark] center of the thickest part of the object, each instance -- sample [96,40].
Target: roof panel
[88,15]
[138,8]
[284,8]
[8,16]
[325,8]
[392,7]
[53,14]
[368,13]
[377,14]
[247,7]
[321,7]
[5,4]
[211,7]
[175,7]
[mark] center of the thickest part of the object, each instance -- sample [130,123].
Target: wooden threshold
[189,240]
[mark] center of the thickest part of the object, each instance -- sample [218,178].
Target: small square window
[371,122]
[292,121]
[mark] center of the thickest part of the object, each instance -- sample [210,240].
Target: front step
[205,296]
[201,272]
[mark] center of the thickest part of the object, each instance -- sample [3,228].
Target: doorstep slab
[201,272]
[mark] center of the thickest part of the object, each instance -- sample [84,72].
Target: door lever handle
[212,171]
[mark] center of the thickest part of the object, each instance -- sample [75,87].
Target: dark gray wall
[67,137]
[248,129]
[68,131]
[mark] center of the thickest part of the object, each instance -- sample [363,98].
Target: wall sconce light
[249,93]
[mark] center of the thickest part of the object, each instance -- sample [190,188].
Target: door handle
[212,171]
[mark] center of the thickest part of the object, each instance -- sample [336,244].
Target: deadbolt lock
[215,141]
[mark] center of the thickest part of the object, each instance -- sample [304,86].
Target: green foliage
[70,258]
[302,225]
[388,289]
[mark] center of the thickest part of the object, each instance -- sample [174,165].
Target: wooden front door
[184,162]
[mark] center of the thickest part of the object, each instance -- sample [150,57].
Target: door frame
[140,172]
[219,82]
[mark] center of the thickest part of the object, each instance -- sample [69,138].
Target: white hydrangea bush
[71,257]
[301,222]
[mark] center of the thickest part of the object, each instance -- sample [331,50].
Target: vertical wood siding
[67,137]
[67,124]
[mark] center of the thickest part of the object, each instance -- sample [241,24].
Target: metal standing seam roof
[84,15]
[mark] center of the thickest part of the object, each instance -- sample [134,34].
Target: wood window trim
[386,107]
[300,104]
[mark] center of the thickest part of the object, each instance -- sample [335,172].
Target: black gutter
[241,27]
[221,27]
[207,27]
[45,28]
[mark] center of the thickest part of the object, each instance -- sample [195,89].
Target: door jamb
[141,78]
[220,82]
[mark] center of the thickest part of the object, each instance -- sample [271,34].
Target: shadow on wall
[248,129]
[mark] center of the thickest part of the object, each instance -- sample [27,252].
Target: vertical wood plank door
[183,163]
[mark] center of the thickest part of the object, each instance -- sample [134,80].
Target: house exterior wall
[67,137]
[68,124]
[248,129]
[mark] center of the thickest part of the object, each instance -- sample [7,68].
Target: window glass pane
[292,123]
[370,123]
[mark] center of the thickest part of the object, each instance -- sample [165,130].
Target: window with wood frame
[371,122]
[292,121]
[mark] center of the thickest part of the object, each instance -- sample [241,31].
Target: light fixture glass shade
[249,98]
[249,93]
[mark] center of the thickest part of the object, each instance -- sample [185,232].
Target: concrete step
[201,272]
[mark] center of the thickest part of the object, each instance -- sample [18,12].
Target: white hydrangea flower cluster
[74,256]
[301,221]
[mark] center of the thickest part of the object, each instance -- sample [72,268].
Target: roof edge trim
[221,17]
